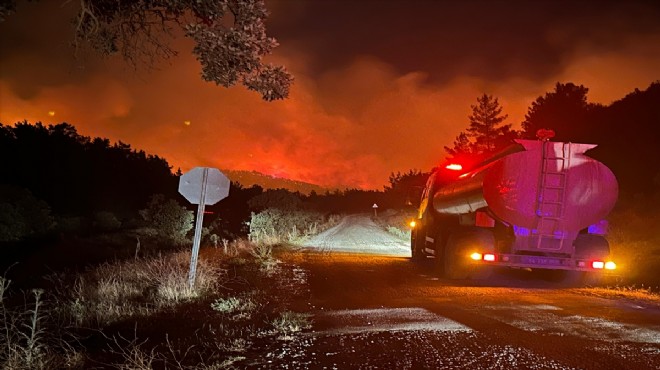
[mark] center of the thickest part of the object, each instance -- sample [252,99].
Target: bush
[237,308]
[396,222]
[106,221]
[168,218]
[72,224]
[273,226]
[289,323]
[22,215]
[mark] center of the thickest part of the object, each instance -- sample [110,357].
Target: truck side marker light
[505,258]
[581,264]
[476,256]
[489,257]
[610,265]
[598,264]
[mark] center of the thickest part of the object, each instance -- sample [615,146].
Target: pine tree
[486,134]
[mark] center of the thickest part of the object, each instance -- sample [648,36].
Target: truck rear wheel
[457,262]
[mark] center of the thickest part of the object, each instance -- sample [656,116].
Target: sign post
[202,186]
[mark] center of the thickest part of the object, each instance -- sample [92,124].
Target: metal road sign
[202,186]
[211,181]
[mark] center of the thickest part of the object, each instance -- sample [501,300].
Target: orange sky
[348,124]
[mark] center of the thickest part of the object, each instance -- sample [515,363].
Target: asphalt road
[373,309]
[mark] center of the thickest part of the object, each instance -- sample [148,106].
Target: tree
[230,37]
[406,188]
[565,110]
[486,134]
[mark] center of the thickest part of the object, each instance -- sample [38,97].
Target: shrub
[289,323]
[240,307]
[22,215]
[272,226]
[396,222]
[106,221]
[170,219]
[71,224]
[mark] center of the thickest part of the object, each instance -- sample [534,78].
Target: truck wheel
[457,263]
[417,254]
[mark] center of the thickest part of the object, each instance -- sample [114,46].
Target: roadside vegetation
[137,310]
[397,221]
[635,241]
[142,314]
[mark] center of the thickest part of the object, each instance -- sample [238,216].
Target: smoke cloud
[373,95]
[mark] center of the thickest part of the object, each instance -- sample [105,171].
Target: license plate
[541,261]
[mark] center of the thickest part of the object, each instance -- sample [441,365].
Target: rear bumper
[544,262]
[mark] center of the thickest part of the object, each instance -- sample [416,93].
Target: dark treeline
[77,175]
[52,174]
[625,131]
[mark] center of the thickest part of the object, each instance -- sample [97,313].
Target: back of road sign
[214,182]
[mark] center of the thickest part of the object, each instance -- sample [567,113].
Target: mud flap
[457,263]
[417,245]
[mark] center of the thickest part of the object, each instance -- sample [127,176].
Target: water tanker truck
[536,205]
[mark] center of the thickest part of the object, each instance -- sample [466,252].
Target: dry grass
[114,291]
[25,339]
[289,323]
[237,307]
[629,292]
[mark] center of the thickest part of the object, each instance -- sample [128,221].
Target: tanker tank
[535,180]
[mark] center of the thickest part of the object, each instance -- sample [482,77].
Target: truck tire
[457,263]
[416,246]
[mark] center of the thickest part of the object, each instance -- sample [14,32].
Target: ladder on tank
[552,188]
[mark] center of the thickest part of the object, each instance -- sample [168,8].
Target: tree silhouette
[564,110]
[622,130]
[230,37]
[627,137]
[486,134]
[406,188]
[78,175]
